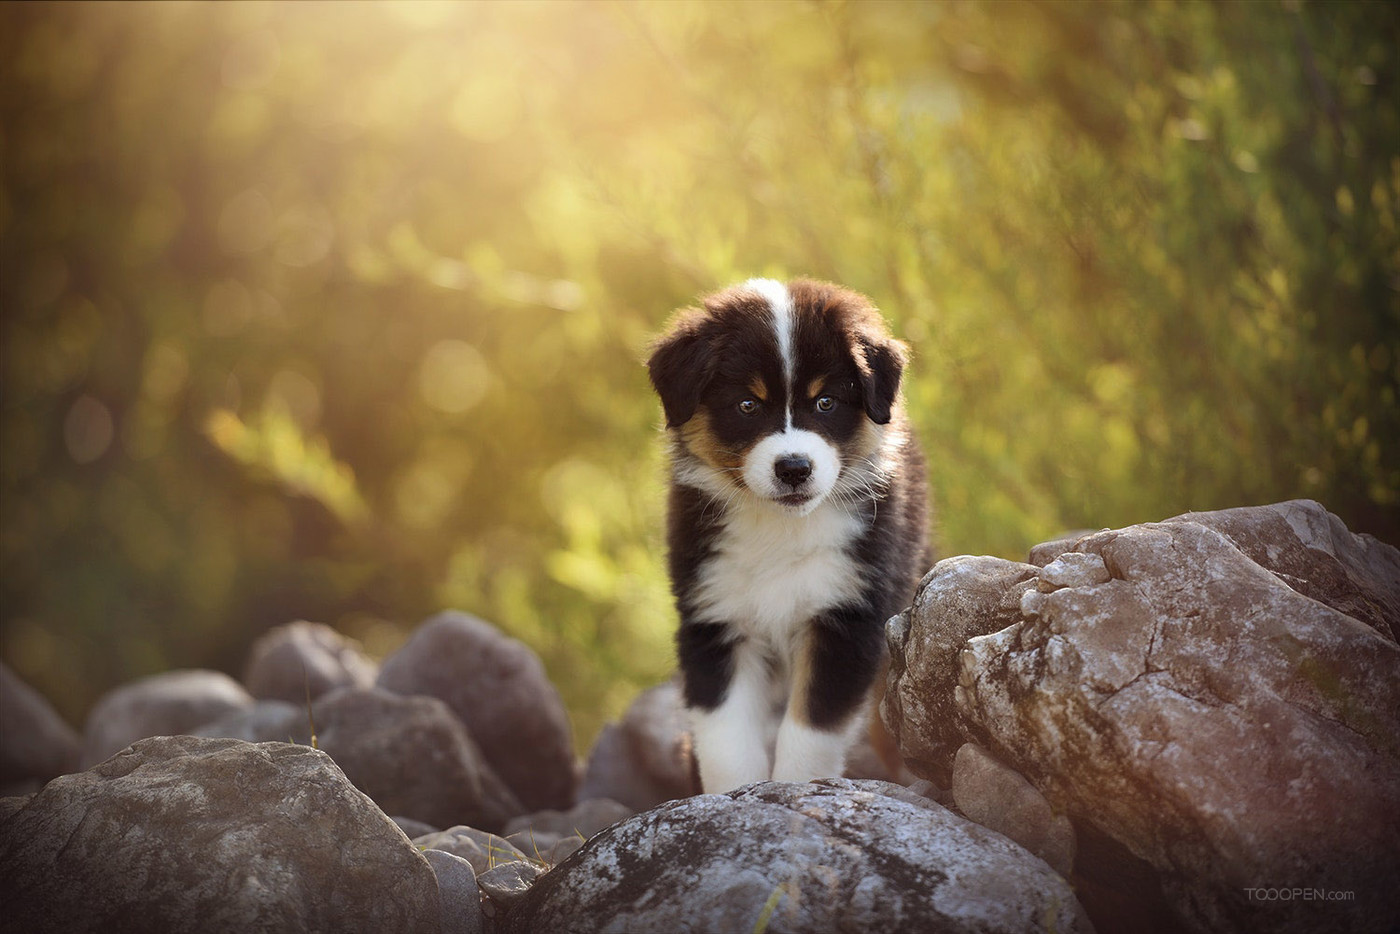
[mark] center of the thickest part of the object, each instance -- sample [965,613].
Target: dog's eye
[826,404]
[748,406]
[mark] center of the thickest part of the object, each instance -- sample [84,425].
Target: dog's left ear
[680,366]
[881,364]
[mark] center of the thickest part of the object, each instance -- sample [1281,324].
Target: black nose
[793,469]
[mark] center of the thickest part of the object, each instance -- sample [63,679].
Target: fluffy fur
[797,521]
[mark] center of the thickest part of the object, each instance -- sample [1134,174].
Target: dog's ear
[881,364]
[680,366]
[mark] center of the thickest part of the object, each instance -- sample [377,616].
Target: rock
[35,743]
[1072,570]
[411,755]
[413,829]
[498,688]
[927,789]
[825,856]
[565,848]
[550,836]
[586,818]
[483,850]
[960,598]
[1316,555]
[657,729]
[266,721]
[11,804]
[507,883]
[1211,712]
[167,704]
[214,835]
[1045,552]
[1000,798]
[615,771]
[304,659]
[538,845]
[458,894]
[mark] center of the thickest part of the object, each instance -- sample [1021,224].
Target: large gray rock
[302,659]
[166,704]
[960,598]
[832,855]
[35,743]
[1210,709]
[498,688]
[183,834]
[411,755]
[1316,555]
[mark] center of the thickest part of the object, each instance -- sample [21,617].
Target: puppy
[797,521]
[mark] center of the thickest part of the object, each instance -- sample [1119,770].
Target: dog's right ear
[680,366]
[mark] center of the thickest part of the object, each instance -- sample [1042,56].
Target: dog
[797,521]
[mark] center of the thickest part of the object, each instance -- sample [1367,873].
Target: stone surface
[35,742]
[1072,570]
[483,850]
[833,855]
[1211,711]
[458,894]
[190,834]
[411,755]
[657,730]
[1046,552]
[302,659]
[960,598]
[1316,555]
[10,804]
[998,797]
[498,688]
[167,704]
[413,829]
[506,884]
[586,818]
[615,771]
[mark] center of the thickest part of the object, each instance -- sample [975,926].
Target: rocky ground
[1188,725]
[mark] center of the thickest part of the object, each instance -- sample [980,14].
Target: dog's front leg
[834,667]
[727,692]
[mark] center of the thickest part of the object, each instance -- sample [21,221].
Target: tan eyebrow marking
[758,389]
[815,387]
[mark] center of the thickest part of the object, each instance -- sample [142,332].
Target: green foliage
[339,315]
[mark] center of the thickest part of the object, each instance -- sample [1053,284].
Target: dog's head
[778,389]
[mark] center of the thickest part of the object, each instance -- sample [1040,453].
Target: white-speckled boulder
[832,855]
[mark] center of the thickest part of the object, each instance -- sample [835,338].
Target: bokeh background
[337,311]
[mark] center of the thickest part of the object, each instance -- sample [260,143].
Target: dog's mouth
[795,499]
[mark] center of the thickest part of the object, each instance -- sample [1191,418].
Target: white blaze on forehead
[780,301]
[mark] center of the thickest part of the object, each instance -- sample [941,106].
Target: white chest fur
[772,570]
